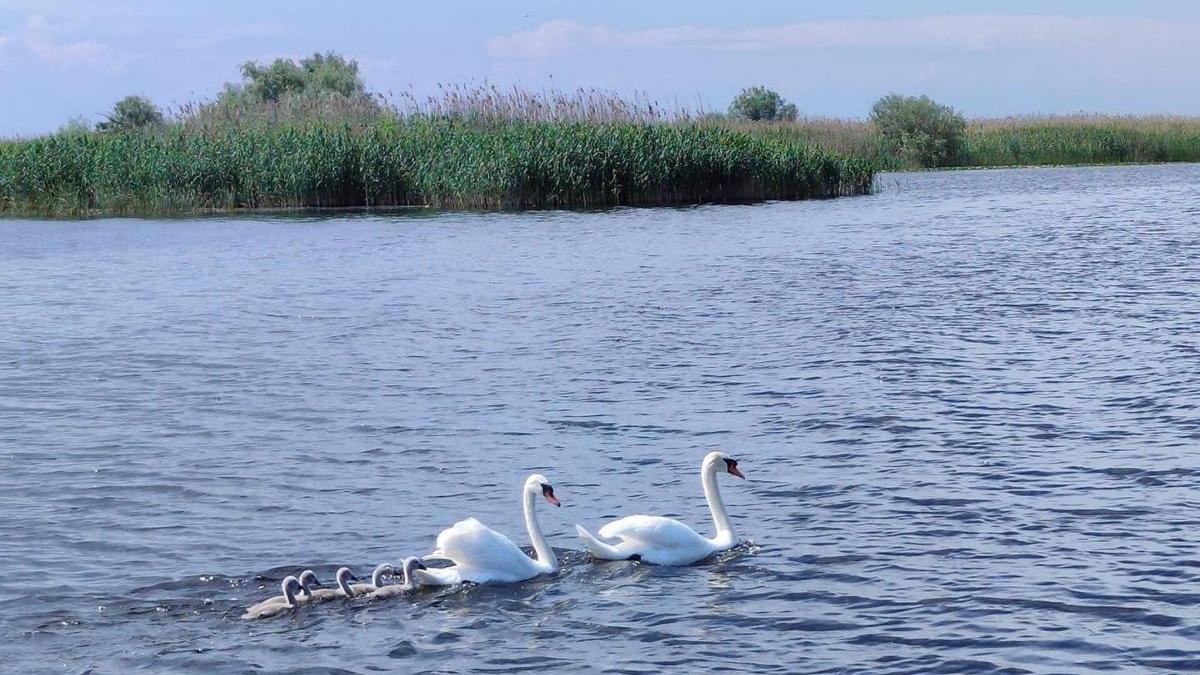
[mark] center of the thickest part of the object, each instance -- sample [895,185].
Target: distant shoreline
[307,134]
[1025,141]
[330,158]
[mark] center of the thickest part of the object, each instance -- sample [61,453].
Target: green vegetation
[915,132]
[761,104]
[439,162]
[320,73]
[131,113]
[468,148]
[918,130]
[1080,139]
[307,133]
[1019,141]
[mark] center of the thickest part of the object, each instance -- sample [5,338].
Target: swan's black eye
[730,463]
[548,493]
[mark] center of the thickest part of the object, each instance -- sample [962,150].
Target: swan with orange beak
[665,541]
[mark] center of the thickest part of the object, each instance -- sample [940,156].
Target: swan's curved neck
[344,584]
[377,575]
[289,593]
[712,493]
[545,554]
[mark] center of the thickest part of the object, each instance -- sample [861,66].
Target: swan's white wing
[658,540]
[482,554]
[654,530]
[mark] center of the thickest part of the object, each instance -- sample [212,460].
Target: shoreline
[204,212]
[998,167]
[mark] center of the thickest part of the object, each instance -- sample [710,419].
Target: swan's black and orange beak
[731,466]
[548,493]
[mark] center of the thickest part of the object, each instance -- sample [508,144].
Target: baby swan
[408,584]
[376,580]
[278,604]
[344,589]
[308,581]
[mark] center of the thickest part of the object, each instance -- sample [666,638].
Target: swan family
[478,554]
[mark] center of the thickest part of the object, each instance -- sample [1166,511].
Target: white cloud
[962,32]
[49,42]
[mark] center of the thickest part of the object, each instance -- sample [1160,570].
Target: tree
[760,103]
[132,112]
[76,125]
[919,130]
[320,73]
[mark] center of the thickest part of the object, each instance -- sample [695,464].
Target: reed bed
[1081,139]
[1020,141]
[441,162]
[470,147]
[492,103]
[486,147]
[851,137]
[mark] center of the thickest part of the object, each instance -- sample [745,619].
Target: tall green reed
[470,148]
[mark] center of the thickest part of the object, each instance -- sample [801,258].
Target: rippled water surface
[967,406]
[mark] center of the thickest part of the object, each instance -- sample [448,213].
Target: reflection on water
[966,406]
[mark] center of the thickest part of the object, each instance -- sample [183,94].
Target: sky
[63,59]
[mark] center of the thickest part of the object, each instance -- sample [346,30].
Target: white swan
[277,604]
[666,541]
[409,566]
[482,555]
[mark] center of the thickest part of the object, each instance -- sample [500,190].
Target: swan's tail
[599,548]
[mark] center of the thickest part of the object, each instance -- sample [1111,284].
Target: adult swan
[482,555]
[666,541]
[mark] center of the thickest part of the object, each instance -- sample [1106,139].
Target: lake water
[966,406]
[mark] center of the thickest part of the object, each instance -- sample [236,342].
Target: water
[966,406]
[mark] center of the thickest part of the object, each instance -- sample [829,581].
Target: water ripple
[966,406]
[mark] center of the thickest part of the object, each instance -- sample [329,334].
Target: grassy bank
[1023,141]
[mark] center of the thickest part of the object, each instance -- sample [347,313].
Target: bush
[132,112]
[919,130]
[319,73]
[760,103]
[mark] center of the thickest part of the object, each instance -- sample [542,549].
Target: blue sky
[65,58]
